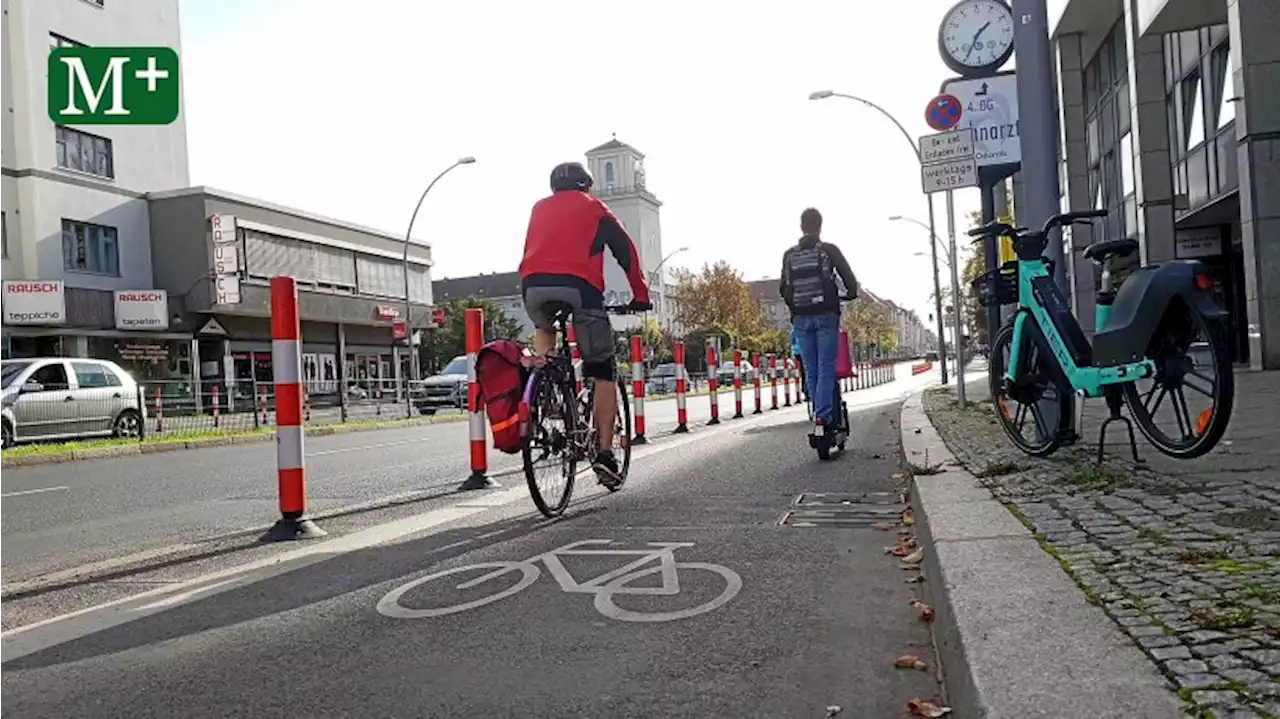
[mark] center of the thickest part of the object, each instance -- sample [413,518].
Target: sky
[350,109]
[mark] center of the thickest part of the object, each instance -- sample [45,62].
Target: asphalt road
[756,620]
[59,518]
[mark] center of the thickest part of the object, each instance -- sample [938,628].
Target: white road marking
[42,490]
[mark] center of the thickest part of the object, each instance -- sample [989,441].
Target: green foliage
[441,345]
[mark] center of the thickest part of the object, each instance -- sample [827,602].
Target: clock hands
[976,35]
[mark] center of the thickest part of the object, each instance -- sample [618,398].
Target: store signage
[34,302]
[388,312]
[224,228]
[226,290]
[1197,242]
[226,260]
[437,317]
[153,352]
[142,309]
[990,109]
[398,330]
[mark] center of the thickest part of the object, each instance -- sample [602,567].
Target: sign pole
[958,340]
[937,293]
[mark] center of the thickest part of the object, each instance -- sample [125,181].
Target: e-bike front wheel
[1035,394]
[1190,353]
[553,429]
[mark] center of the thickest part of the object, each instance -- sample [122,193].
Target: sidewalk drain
[813,509]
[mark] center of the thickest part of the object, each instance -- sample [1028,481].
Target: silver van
[68,398]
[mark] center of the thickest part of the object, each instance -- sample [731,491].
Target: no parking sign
[943,112]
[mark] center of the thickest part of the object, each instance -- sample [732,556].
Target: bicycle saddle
[1100,251]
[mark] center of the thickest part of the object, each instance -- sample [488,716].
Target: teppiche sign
[142,309]
[34,302]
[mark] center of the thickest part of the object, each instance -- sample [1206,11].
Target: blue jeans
[819,337]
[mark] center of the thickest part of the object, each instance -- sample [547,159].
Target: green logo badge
[113,85]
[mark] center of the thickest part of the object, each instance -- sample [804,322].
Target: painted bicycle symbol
[661,558]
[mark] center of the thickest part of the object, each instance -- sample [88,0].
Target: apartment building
[75,222]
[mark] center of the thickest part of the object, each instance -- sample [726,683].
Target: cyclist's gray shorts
[590,326]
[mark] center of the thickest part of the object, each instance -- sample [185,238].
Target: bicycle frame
[1087,379]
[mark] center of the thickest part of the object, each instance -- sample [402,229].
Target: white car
[68,398]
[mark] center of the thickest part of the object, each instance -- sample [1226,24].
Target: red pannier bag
[501,377]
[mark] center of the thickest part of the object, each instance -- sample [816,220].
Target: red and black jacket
[568,233]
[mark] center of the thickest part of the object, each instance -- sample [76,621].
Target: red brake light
[1204,283]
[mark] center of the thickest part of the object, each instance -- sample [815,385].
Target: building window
[90,248]
[608,174]
[1192,111]
[57,41]
[1226,85]
[1126,165]
[81,151]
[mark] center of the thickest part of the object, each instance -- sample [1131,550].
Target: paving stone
[1223,662]
[1177,652]
[1144,631]
[1159,640]
[1205,651]
[1262,656]
[1186,666]
[1197,681]
[1215,697]
[1205,635]
[1245,676]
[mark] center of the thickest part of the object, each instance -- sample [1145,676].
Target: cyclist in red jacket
[564,263]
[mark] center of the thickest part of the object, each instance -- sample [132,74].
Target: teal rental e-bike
[1161,334]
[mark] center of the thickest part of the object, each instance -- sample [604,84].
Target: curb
[131,450]
[1015,635]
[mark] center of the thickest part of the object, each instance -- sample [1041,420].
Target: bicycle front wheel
[1035,394]
[622,436]
[550,454]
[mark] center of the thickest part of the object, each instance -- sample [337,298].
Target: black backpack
[811,280]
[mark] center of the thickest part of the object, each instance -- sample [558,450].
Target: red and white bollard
[159,412]
[773,379]
[216,402]
[759,373]
[786,381]
[474,335]
[737,384]
[286,365]
[575,356]
[682,375]
[637,387]
[711,384]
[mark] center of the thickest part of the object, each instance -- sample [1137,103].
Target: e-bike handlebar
[1067,218]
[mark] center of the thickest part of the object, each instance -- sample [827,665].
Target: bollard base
[639,439]
[737,415]
[290,528]
[758,411]
[478,480]
[682,429]
[714,420]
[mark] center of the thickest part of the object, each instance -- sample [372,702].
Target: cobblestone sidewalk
[1184,556]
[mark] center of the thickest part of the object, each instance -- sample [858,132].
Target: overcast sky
[349,109]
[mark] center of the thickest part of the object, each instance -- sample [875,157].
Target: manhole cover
[860,517]
[816,499]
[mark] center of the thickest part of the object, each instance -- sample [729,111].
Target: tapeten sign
[34,302]
[142,309]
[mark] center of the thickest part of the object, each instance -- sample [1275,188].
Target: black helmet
[570,176]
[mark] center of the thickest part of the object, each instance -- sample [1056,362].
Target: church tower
[618,170]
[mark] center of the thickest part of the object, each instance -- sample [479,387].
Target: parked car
[724,375]
[68,398]
[662,380]
[447,389]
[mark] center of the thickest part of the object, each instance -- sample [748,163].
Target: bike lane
[793,620]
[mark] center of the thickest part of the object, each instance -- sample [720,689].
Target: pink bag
[844,362]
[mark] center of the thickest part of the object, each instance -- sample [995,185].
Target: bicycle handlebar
[626,309]
[1067,218]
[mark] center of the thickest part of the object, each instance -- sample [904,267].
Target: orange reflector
[1204,283]
[1004,410]
[1202,424]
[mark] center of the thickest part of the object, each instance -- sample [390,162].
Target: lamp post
[408,306]
[655,278]
[957,335]
[915,151]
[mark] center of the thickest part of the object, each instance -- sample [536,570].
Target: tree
[440,345]
[717,299]
[869,323]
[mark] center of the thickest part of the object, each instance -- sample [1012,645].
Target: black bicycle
[560,430]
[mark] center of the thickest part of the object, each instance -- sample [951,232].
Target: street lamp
[655,278]
[937,290]
[408,307]
[953,265]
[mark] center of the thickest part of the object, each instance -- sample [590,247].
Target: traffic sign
[946,146]
[952,175]
[990,109]
[943,112]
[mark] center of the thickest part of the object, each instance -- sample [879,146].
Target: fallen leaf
[917,431]
[908,542]
[833,710]
[898,551]
[877,456]
[915,557]
[910,567]
[910,661]
[922,708]
[883,526]
[908,516]
[924,611]
[918,579]
[896,475]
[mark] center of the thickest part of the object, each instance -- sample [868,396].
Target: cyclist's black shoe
[606,467]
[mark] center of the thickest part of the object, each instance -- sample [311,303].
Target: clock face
[977,34]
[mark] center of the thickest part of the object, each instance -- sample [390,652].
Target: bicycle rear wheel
[550,445]
[1190,352]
